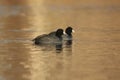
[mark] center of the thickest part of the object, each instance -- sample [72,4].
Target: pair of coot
[55,37]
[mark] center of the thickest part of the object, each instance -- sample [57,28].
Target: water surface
[94,54]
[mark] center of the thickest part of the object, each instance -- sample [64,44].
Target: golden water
[94,54]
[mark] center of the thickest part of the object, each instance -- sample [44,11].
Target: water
[94,54]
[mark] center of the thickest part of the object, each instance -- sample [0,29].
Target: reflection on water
[92,55]
[59,47]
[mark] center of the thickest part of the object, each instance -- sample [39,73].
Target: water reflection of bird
[50,47]
[49,38]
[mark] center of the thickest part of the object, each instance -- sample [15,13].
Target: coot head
[69,31]
[59,33]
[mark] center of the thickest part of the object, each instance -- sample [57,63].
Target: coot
[50,39]
[68,33]
[67,37]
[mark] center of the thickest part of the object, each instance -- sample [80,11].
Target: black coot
[68,35]
[50,39]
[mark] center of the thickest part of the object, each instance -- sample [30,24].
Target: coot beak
[64,32]
[73,31]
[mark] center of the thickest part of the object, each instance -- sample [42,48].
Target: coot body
[49,39]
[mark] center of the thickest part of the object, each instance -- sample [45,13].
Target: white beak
[64,32]
[73,31]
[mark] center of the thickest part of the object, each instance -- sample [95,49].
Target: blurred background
[94,54]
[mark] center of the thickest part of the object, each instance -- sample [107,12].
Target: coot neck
[69,34]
